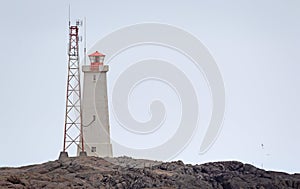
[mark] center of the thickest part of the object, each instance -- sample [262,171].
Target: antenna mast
[69,15]
[84,41]
[73,135]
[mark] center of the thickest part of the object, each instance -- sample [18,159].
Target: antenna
[69,15]
[84,41]
[78,23]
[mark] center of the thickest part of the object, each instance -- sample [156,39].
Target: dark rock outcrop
[124,172]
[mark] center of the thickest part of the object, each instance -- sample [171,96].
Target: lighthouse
[95,117]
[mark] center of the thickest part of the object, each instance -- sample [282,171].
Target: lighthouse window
[94,77]
[93,149]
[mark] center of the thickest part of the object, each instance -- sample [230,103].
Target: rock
[14,179]
[126,172]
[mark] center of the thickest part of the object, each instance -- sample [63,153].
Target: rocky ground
[124,172]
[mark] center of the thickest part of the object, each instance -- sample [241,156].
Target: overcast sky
[254,43]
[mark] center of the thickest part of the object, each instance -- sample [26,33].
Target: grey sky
[255,44]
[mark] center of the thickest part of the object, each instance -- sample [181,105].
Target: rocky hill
[124,172]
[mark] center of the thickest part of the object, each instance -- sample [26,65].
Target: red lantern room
[96,59]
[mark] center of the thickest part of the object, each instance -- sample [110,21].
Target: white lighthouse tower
[95,119]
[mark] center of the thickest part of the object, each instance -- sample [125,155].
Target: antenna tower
[73,135]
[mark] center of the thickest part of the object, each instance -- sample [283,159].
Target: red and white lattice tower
[73,135]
